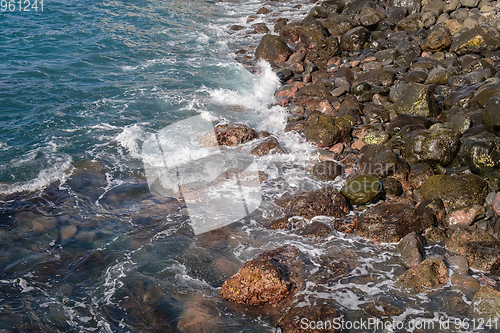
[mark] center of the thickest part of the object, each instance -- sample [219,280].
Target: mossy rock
[416,99]
[362,189]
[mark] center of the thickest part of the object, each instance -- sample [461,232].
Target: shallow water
[84,244]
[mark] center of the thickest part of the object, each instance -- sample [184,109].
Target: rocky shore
[403,97]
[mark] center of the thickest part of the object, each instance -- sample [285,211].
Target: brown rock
[438,39]
[419,173]
[429,274]
[464,217]
[228,135]
[269,145]
[292,320]
[272,48]
[411,249]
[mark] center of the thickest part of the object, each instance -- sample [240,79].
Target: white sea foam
[59,171]
[129,138]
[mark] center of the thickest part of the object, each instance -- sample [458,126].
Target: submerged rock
[416,99]
[293,320]
[269,145]
[456,191]
[388,222]
[486,304]
[429,274]
[266,279]
[272,48]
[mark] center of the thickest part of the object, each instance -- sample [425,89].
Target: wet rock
[326,131]
[376,138]
[429,274]
[327,50]
[477,65]
[392,187]
[435,206]
[316,230]
[411,250]
[382,162]
[416,76]
[433,146]
[68,232]
[382,76]
[486,304]
[379,309]
[480,151]
[327,170]
[438,39]
[466,283]
[339,24]
[458,264]
[388,222]
[369,16]
[419,173]
[291,32]
[259,28]
[480,248]
[362,189]
[485,92]
[438,76]
[197,317]
[326,201]
[354,39]
[264,11]
[272,48]
[411,6]
[434,235]
[496,204]
[476,40]
[385,55]
[269,145]
[464,217]
[456,191]
[460,123]
[416,99]
[490,115]
[313,34]
[266,279]
[228,135]
[294,319]
[412,22]
[360,88]
[403,120]
[311,94]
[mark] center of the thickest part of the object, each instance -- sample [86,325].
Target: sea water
[85,244]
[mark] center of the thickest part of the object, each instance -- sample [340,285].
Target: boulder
[480,151]
[354,39]
[419,173]
[411,250]
[269,145]
[463,217]
[439,38]
[266,279]
[327,170]
[326,131]
[313,34]
[486,305]
[388,222]
[433,146]
[491,115]
[438,76]
[403,120]
[475,40]
[412,6]
[380,161]
[339,24]
[362,189]
[416,99]
[456,191]
[296,318]
[228,135]
[311,94]
[272,48]
[429,274]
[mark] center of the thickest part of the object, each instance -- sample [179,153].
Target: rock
[416,99]
[326,131]
[327,170]
[480,151]
[416,76]
[485,92]
[376,138]
[392,187]
[459,123]
[469,3]
[429,274]
[434,235]
[411,250]
[419,173]
[463,217]
[269,145]
[477,65]
[476,40]
[323,202]
[339,24]
[438,76]
[385,55]
[380,161]
[228,135]
[403,120]
[458,264]
[466,282]
[311,94]
[382,76]
[379,309]
[412,22]
[486,305]
[354,39]
[480,248]
[369,16]
[264,11]
[309,319]
[316,230]
[266,279]
[435,206]
[411,6]
[388,222]
[313,34]
[456,191]
[272,48]
[68,232]
[490,115]
[496,204]
[438,146]
[362,189]
[197,317]
[259,28]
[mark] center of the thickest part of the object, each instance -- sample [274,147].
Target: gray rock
[469,3]
[411,250]
[476,40]
[438,146]
[354,39]
[491,113]
[416,99]
[438,76]
[480,151]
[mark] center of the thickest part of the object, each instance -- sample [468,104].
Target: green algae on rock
[416,99]
[456,191]
[362,189]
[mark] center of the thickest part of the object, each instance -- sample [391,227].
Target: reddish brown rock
[272,48]
[438,39]
[228,135]
[269,145]
[429,274]
[267,279]
[388,222]
[411,249]
[464,217]
[263,10]
[294,319]
[419,173]
[496,204]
